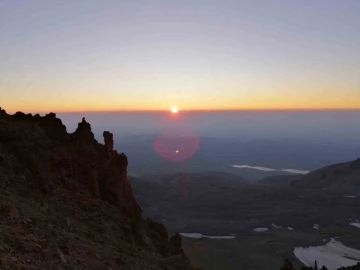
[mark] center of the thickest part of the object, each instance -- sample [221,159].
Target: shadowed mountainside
[340,176]
[66,203]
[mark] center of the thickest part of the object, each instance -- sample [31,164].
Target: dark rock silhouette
[176,244]
[109,142]
[288,266]
[66,195]
[83,132]
[158,235]
[2,111]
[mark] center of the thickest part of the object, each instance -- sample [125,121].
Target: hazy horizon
[296,140]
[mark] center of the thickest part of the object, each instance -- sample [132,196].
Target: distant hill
[341,176]
[279,180]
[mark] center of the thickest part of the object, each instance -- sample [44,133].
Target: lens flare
[176,148]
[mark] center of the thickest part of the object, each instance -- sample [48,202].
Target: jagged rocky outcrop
[66,202]
[109,142]
[159,236]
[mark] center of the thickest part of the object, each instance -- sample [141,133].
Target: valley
[223,204]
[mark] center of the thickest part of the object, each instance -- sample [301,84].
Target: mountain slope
[342,176]
[66,203]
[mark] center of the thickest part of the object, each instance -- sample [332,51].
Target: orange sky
[36,98]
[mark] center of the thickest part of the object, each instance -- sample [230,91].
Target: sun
[174,109]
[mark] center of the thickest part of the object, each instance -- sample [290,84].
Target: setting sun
[174,109]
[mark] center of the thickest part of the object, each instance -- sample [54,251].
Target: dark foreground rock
[66,203]
[289,266]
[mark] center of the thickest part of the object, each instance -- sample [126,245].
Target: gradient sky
[197,54]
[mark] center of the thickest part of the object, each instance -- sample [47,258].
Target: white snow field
[332,255]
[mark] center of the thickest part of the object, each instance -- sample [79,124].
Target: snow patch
[355,224]
[332,255]
[265,169]
[260,230]
[316,226]
[290,229]
[199,235]
[275,226]
[295,171]
[350,196]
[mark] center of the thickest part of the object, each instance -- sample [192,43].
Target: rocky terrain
[66,202]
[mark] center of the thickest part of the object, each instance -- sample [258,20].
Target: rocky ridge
[66,202]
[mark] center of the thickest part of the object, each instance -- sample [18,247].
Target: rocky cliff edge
[66,203]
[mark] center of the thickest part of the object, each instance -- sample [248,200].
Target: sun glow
[174,109]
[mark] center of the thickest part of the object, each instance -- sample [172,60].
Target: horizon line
[191,110]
